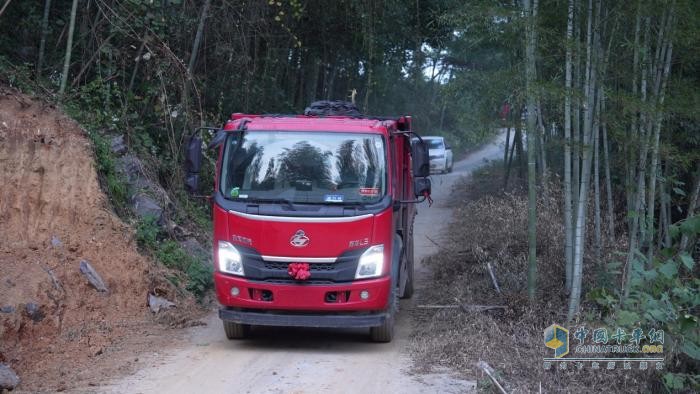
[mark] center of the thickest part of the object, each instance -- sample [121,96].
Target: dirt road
[290,360]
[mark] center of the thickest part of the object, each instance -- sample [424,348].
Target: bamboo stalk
[69,46]
[568,221]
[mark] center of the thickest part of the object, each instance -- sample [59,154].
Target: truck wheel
[408,290]
[408,287]
[385,332]
[236,330]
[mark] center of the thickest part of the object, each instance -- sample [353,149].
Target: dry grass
[491,226]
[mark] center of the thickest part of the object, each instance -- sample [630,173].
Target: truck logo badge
[299,239]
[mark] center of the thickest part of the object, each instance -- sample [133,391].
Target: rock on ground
[146,197]
[145,206]
[117,145]
[92,276]
[157,303]
[194,248]
[8,378]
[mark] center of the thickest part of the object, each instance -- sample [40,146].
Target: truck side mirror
[421,159]
[421,186]
[193,162]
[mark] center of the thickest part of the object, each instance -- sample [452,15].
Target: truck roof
[316,123]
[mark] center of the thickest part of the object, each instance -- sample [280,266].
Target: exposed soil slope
[53,215]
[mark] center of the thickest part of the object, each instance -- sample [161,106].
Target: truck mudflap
[278,318]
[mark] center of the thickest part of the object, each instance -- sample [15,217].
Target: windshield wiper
[285,201]
[355,204]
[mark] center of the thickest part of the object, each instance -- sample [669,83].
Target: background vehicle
[441,160]
[313,219]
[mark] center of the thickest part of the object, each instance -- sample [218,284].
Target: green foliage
[199,276]
[150,237]
[194,211]
[147,233]
[16,75]
[665,295]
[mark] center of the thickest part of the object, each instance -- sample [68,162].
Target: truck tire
[385,332]
[408,288]
[236,330]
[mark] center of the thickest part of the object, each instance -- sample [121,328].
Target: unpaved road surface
[301,360]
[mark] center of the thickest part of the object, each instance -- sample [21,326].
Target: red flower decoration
[299,271]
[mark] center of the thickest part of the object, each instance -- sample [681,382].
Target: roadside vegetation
[196,277]
[490,229]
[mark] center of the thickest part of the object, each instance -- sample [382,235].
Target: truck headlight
[230,260]
[371,263]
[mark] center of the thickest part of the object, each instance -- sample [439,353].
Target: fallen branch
[493,278]
[480,308]
[489,371]
[437,306]
[54,280]
[431,240]
[463,307]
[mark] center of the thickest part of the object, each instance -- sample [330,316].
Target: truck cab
[313,221]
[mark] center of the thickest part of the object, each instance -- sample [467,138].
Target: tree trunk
[596,182]
[69,46]
[568,225]
[641,174]
[509,164]
[657,133]
[530,72]
[542,139]
[664,238]
[505,151]
[4,6]
[630,157]
[198,37]
[608,179]
[44,32]
[519,150]
[576,115]
[588,109]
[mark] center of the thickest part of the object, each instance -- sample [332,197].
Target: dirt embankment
[53,214]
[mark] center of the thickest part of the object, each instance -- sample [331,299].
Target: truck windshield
[304,167]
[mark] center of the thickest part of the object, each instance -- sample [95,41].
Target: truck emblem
[299,239]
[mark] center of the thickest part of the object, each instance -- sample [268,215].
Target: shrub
[168,252]
[664,295]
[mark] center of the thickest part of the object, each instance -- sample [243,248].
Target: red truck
[313,219]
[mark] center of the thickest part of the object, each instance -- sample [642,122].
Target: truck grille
[341,271]
[290,281]
[312,266]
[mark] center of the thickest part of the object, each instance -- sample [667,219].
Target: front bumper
[438,165]
[286,319]
[303,297]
